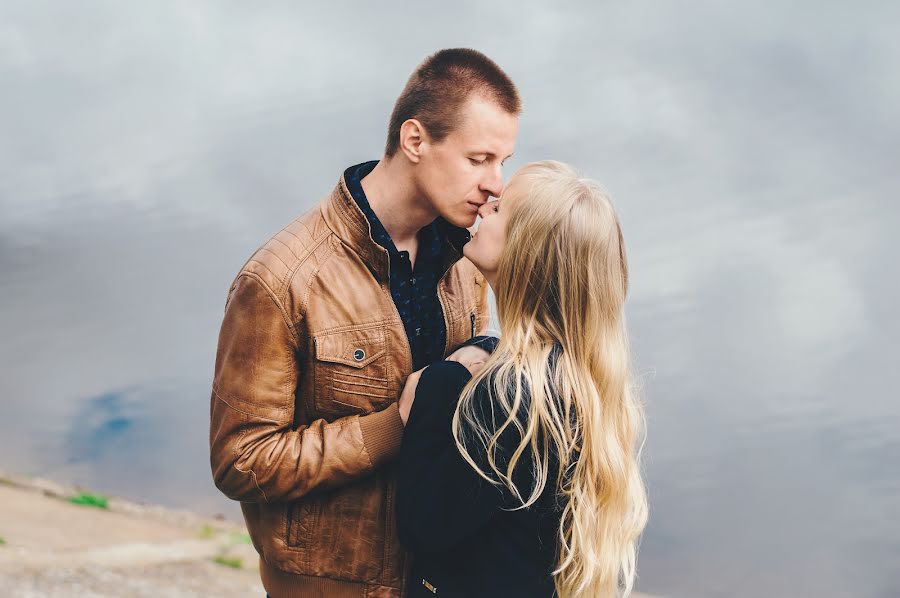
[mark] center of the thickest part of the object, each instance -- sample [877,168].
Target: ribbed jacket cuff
[382,433]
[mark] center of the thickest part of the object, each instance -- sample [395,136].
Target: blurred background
[146,149]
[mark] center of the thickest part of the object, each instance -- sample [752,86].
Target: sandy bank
[52,547]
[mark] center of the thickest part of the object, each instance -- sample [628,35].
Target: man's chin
[463,221]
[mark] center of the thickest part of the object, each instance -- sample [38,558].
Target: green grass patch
[234,563]
[2,541]
[206,532]
[237,538]
[90,500]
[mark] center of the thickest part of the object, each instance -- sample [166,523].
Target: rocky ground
[50,547]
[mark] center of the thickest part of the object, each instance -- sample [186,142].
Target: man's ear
[412,137]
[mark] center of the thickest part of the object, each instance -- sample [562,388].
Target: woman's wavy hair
[561,282]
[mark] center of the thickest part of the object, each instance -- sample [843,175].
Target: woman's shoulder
[437,392]
[444,374]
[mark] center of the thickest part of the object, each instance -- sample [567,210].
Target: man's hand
[471,357]
[409,395]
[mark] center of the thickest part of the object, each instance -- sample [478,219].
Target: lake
[752,152]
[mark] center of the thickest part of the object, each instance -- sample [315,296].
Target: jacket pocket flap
[356,348]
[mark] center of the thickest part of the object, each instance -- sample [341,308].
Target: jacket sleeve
[255,454]
[441,500]
[488,343]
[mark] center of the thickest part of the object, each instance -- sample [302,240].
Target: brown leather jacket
[312,357]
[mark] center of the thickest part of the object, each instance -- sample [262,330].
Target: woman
[523,479]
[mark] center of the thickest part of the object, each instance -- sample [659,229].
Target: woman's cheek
[470,251]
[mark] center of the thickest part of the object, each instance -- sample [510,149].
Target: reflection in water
[750,153]
[102,427]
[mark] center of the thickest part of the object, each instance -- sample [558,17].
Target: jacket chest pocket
[351,372]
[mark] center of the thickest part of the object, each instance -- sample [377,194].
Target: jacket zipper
[472,318]
[448,332]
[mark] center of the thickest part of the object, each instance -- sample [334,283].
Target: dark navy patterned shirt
[414,290]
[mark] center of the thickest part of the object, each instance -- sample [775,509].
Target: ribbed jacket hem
[280,584]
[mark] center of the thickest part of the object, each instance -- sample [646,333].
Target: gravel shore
[51,547]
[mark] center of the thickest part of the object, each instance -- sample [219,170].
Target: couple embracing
[381,443]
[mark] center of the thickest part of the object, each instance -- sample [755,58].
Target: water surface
[146,150]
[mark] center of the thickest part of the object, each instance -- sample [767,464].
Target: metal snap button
[359,355]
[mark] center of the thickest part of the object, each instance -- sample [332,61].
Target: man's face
[460,173]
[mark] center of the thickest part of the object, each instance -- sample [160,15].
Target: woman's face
[487,243]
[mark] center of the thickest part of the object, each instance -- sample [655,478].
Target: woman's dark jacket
[465,539]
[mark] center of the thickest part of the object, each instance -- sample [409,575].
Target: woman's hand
[471,357]
[409,395]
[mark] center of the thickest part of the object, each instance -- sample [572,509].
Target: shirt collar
[430,236]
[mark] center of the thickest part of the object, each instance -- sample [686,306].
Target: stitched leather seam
[379,324]
[293,234]
[304,300]
[360,410]
[284,315]
[346,210]
[290,276]
[278,257]
[245,411]
[275,238]
[248,472]
[311,235]
[361,394]
[348,363]
[334,424]
[362,377]
[253,260]
[357,381]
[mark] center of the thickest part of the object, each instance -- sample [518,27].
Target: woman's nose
[486,208]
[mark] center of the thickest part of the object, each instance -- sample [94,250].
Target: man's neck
[393,197]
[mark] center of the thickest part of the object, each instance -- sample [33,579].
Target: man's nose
[493,182]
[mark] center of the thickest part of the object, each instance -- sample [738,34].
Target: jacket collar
[348,222]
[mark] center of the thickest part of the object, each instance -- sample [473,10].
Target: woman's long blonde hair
[561,280]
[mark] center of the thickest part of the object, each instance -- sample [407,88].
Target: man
[324,323]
